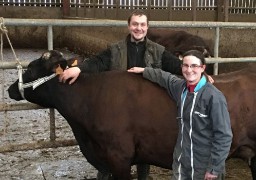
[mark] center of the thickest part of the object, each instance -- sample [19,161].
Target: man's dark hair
[137,12]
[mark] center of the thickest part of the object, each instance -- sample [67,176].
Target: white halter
[33,84]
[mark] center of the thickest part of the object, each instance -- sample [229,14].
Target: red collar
[191,88]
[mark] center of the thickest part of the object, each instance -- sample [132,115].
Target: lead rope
[2,80]
[4,30]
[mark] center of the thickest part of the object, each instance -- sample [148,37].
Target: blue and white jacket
[205,134]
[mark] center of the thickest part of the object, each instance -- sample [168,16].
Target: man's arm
[98,63]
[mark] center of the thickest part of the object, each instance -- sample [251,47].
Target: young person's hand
[209,176]
[136,70]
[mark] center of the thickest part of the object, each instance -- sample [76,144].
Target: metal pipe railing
[50,23]
[122,23]
[216,50]
[12,65]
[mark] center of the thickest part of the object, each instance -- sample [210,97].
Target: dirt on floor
[18,127]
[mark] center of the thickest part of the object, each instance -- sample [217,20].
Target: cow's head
[50,62]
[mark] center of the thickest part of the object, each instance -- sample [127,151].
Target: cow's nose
[14,93]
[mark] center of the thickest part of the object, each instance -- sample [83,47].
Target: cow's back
[239,89]
[134,111]
[178,42]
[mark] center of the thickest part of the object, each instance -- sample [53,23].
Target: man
[134,51]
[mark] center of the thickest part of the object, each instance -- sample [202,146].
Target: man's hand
[209,176]
[70,73]
[211,80]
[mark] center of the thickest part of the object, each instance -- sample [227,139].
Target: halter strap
[34,84]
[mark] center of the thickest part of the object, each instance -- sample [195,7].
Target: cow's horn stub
[46,55]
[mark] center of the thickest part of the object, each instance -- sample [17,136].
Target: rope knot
[3,29]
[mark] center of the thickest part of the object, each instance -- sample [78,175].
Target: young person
[205,134]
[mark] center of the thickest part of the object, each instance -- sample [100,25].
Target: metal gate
[5,107]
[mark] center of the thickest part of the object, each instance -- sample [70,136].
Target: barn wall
[231,44]
[30,12]
[121,14]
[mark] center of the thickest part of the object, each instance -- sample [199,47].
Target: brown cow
[178,42]
[240,91]
[120,119]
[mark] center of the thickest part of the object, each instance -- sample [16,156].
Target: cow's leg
[123,172]
[253,167]
[120,166]
[104,176]
[143,171]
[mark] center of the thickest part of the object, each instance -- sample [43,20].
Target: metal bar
[105,8]
[229,60]
[194,4]
[149,6]
[119,23]
[12,64]
[170,10]
[219,10]
[19,106]
[76,8]
[117,8]
[52,112]
[85,13]
[216,50]
[37,145]
[226,8]
[52,125]
[50,37]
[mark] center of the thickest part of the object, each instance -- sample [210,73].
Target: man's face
[138,27]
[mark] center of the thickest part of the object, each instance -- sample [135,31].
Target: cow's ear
[59,67]
[53,56]
[46,55]
[72,62]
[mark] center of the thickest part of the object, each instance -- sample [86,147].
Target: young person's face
[192,69]
[138,27]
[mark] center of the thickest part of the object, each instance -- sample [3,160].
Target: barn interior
[31,41]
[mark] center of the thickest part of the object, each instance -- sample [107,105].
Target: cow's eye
[28,71]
